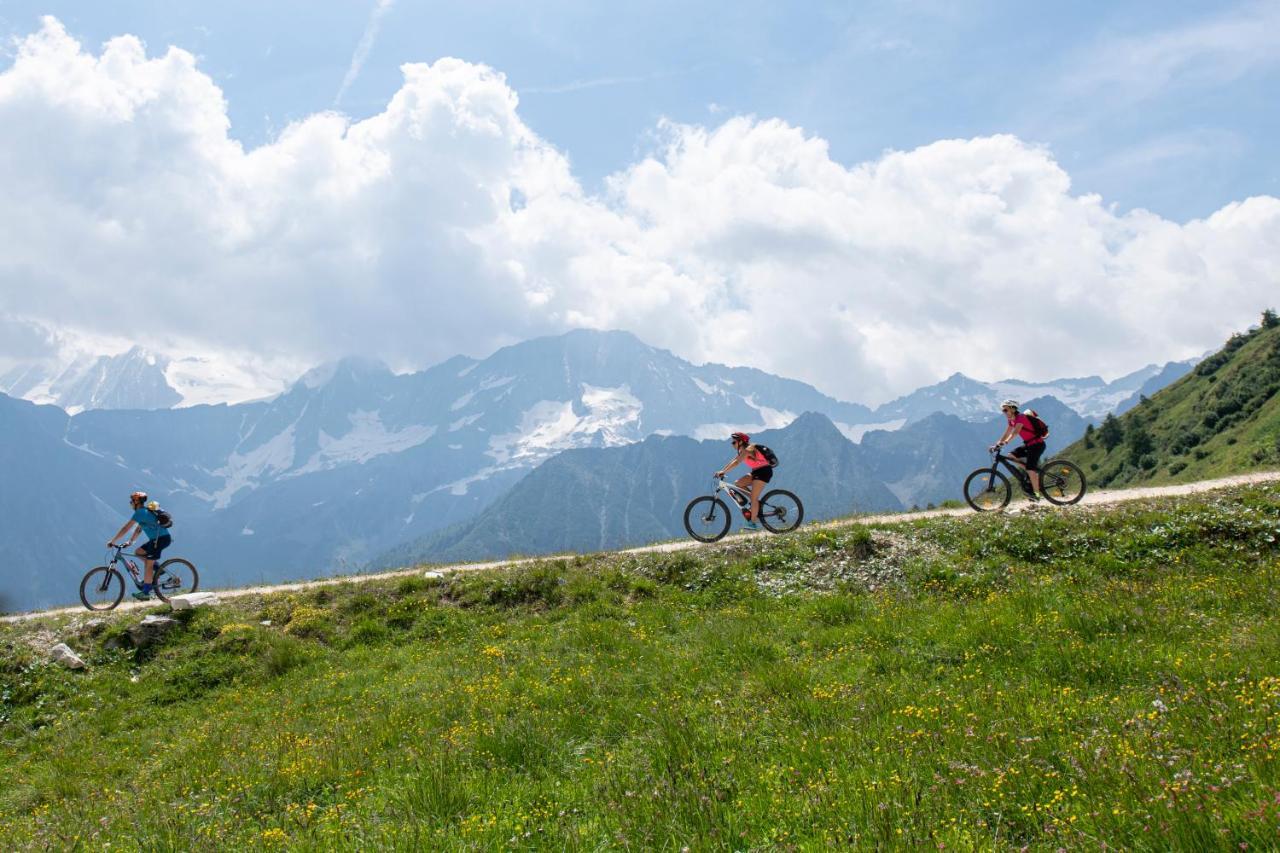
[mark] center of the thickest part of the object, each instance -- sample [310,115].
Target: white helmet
[1013,403]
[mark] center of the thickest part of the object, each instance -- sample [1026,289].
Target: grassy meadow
[1086,678]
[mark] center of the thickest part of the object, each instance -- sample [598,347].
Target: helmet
[1010,403]
[740,437]
[138,497]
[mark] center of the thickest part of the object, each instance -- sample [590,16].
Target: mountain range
[354,462]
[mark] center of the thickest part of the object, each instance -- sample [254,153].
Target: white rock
[194,599]
[62,654]
[433,576]
[266,623]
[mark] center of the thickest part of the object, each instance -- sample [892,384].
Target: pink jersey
[1025,431]
[755,459]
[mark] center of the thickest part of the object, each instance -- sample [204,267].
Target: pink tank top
[755,459]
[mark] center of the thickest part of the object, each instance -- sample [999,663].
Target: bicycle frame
[1016,469]
[133,568]
[723,485]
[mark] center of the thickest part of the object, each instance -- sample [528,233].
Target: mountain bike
[707,518]
[103,586]
[987,490]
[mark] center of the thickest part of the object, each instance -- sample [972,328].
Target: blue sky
[865,196]
[1155,105]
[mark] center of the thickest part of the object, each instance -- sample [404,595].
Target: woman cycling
[753,482]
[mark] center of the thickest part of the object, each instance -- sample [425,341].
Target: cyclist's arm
[121,532]
[1008,434]
[734,463]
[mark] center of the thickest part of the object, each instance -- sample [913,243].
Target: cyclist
[158,539]
[1028,455]
[753,482]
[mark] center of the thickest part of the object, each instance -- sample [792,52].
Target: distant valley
[355,464]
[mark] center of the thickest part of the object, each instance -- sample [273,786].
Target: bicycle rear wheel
[987,490]
[781,511]
[1062,482]
[176,577]
[101,588]
[707,519]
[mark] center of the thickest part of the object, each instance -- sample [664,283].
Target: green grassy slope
[1222,418]
[1049,679]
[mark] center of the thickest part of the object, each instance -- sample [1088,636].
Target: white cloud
[1130,68]
[444,224]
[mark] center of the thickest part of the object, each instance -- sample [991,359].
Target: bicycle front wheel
[102,588]
[781,511]
[707,519]
[1062,482]
[987,490]
[176,577]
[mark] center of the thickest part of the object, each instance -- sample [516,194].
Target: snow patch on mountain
[612,417]
[368,438]
[246,470]
[201,380]
[467,421]
[768,419]
[855,432]
[495,382]
[707,389]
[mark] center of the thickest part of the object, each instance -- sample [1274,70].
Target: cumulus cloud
[445,224]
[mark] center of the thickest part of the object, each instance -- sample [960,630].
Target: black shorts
[1030,454]
[764,473]
[152,548]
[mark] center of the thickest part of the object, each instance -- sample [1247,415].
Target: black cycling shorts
[152,548]
[1030,454]
[764,473]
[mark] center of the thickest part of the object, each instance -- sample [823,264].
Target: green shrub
[368,631]
[361,602]
[404,613]
[307,621]
[675,569]
[414,584]
[537,584]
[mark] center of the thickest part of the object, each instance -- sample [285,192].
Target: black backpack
[1039,427]
[769,455]
[162,517]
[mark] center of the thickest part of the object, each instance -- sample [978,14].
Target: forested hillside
[1222,418]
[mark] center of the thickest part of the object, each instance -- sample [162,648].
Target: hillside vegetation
[1222,418]
[1053,679]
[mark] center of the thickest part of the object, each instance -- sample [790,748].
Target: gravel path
[1093,498]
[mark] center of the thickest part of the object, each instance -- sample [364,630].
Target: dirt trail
[1093,498]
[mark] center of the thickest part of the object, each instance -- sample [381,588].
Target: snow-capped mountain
[135,379]
[354,459]
[130,380]
[1091,397]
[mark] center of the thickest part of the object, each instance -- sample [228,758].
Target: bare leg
[744,483]
[148,566]
[757,486]
[1032,475]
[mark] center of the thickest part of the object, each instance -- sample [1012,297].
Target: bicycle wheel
[707,519]
[102,588]
[1062,482]
[176,577]
[781,511]
[987,490]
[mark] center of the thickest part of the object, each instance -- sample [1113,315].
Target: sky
[865,196]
